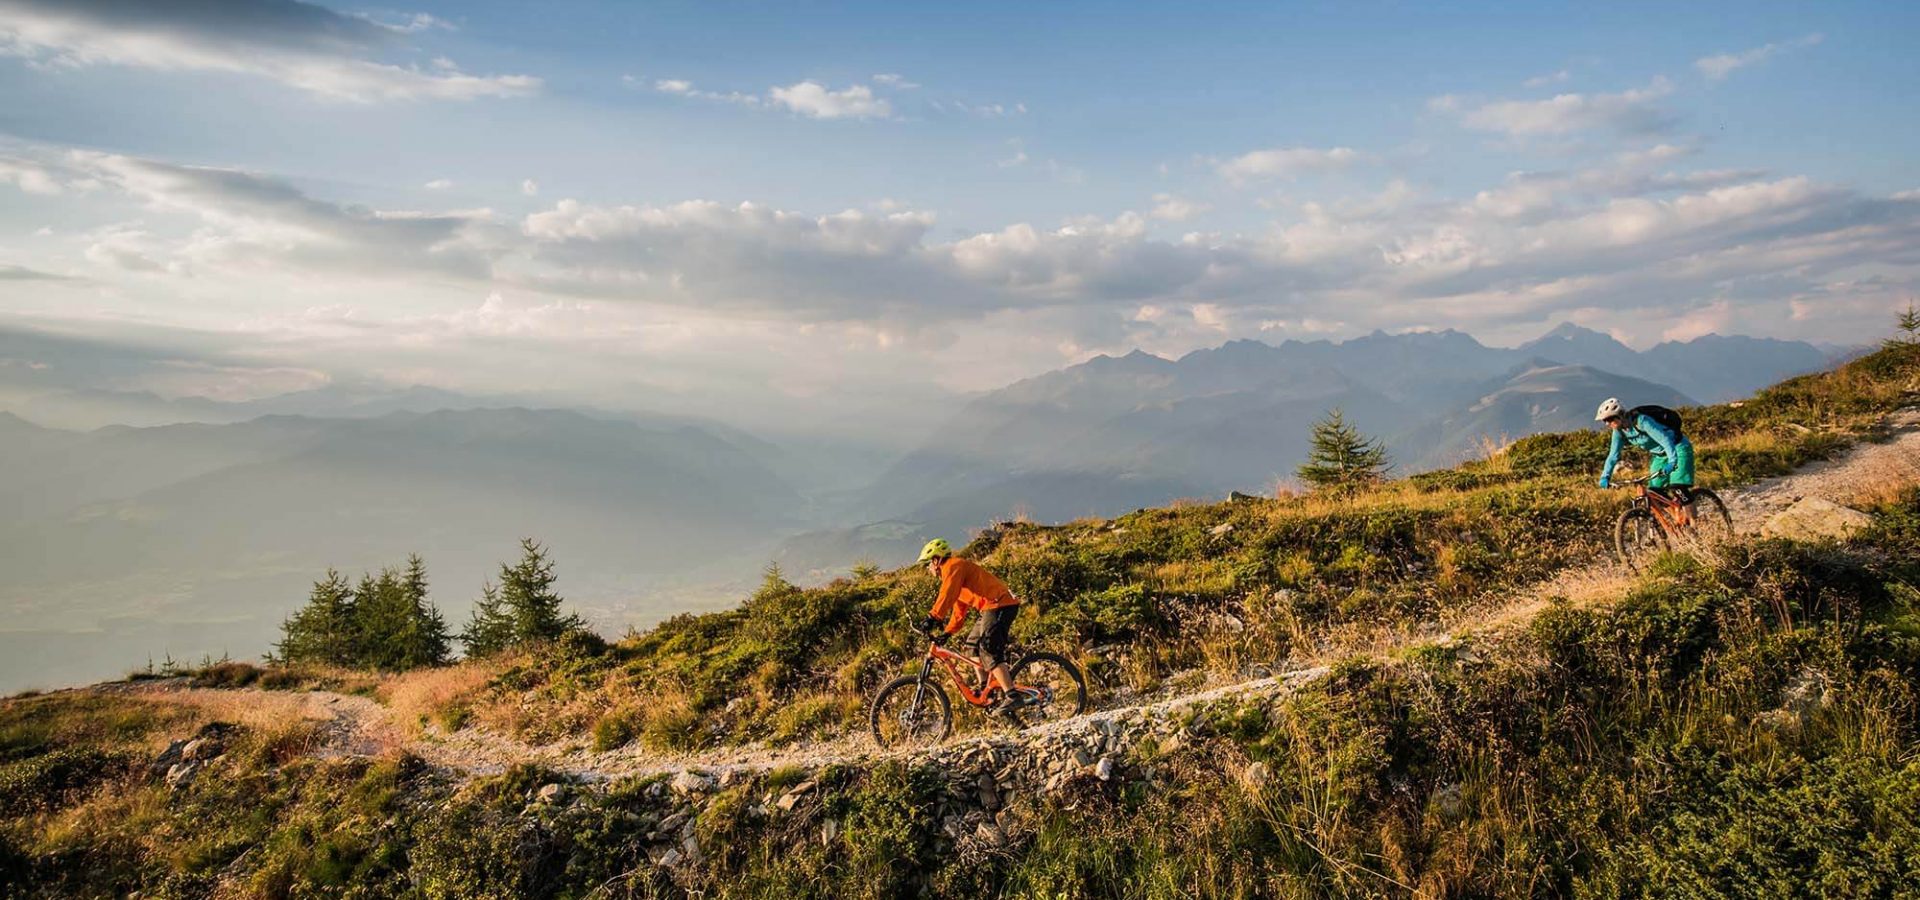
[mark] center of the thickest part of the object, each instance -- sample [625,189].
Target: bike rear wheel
[910,712]
[1062,686]
[1712,524]
[1638,537]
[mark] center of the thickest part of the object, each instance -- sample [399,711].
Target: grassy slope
[1741,730]
[1207,587]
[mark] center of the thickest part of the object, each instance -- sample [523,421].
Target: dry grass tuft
[444,696]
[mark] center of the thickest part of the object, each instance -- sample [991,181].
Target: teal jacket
[1656,439]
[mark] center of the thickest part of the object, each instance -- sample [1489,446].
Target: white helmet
[1608,410]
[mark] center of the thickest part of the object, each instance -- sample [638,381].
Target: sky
[781,211]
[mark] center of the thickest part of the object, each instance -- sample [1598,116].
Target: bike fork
[920,687]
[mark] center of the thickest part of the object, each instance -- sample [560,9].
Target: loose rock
[1813,519]
[690,782]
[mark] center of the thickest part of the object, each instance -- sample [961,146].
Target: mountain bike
[1656,521]
[913,710]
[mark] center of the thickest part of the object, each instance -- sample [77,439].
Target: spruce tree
[1909,324]
[523,609]
[324,631]
[1342,459]
[490,629]
[422,640]
[384,623]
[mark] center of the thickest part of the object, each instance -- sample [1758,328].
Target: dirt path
[357,726]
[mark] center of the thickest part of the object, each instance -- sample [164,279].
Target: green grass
[1207,587]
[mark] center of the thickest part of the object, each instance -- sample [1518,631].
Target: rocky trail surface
[1043,756]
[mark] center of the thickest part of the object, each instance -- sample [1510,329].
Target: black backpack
[1666,417]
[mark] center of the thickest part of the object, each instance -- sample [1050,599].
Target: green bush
[46,781]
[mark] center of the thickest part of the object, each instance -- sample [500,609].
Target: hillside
[1473,703]
[121,542]
[1120,433]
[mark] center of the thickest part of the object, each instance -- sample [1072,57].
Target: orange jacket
[963,585]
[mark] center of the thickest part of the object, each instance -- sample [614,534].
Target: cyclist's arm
[1613,456]
[947,604]
[1661,435]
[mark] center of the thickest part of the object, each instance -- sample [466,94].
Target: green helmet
[935,547]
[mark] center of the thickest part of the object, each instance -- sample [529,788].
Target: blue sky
[713,204]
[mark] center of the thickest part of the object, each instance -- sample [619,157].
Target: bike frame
[1670,513]
[948,658]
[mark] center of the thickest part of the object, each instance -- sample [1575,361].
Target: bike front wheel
[1062,687]
[910,712]
[1638,537]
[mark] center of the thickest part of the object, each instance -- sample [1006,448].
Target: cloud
[897,82]
[1631,112]
[29,176]
[413,24]
[22,273]
[301,45]
[989,110]
[1285,162]
[530,188]
[1547,79]
[1640,236]
[817,101]
[1721,65]
[684,88]
[438,184]
[249,221]
[1175,209]
[740,257]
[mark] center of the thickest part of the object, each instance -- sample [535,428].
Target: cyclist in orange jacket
[965,585]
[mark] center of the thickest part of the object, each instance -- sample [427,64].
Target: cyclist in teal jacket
[1671,466]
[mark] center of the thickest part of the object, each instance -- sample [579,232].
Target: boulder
[549,793]
[1103,770]
[181,774]
[671,825]
[169,757]
[1814,519]
[690,782]
[202,749]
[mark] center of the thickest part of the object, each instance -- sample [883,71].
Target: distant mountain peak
[1569,330]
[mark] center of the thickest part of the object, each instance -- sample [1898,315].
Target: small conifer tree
[324,630]
[1342,459]
[384,623]
[523,609]
[1909,322]
[490,629]
[527,589]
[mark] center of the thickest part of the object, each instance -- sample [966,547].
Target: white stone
[691,783]
[1813,519]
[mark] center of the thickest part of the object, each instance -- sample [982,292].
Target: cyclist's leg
[1656,474]
[975,637]
[1682,474]
[996,629]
